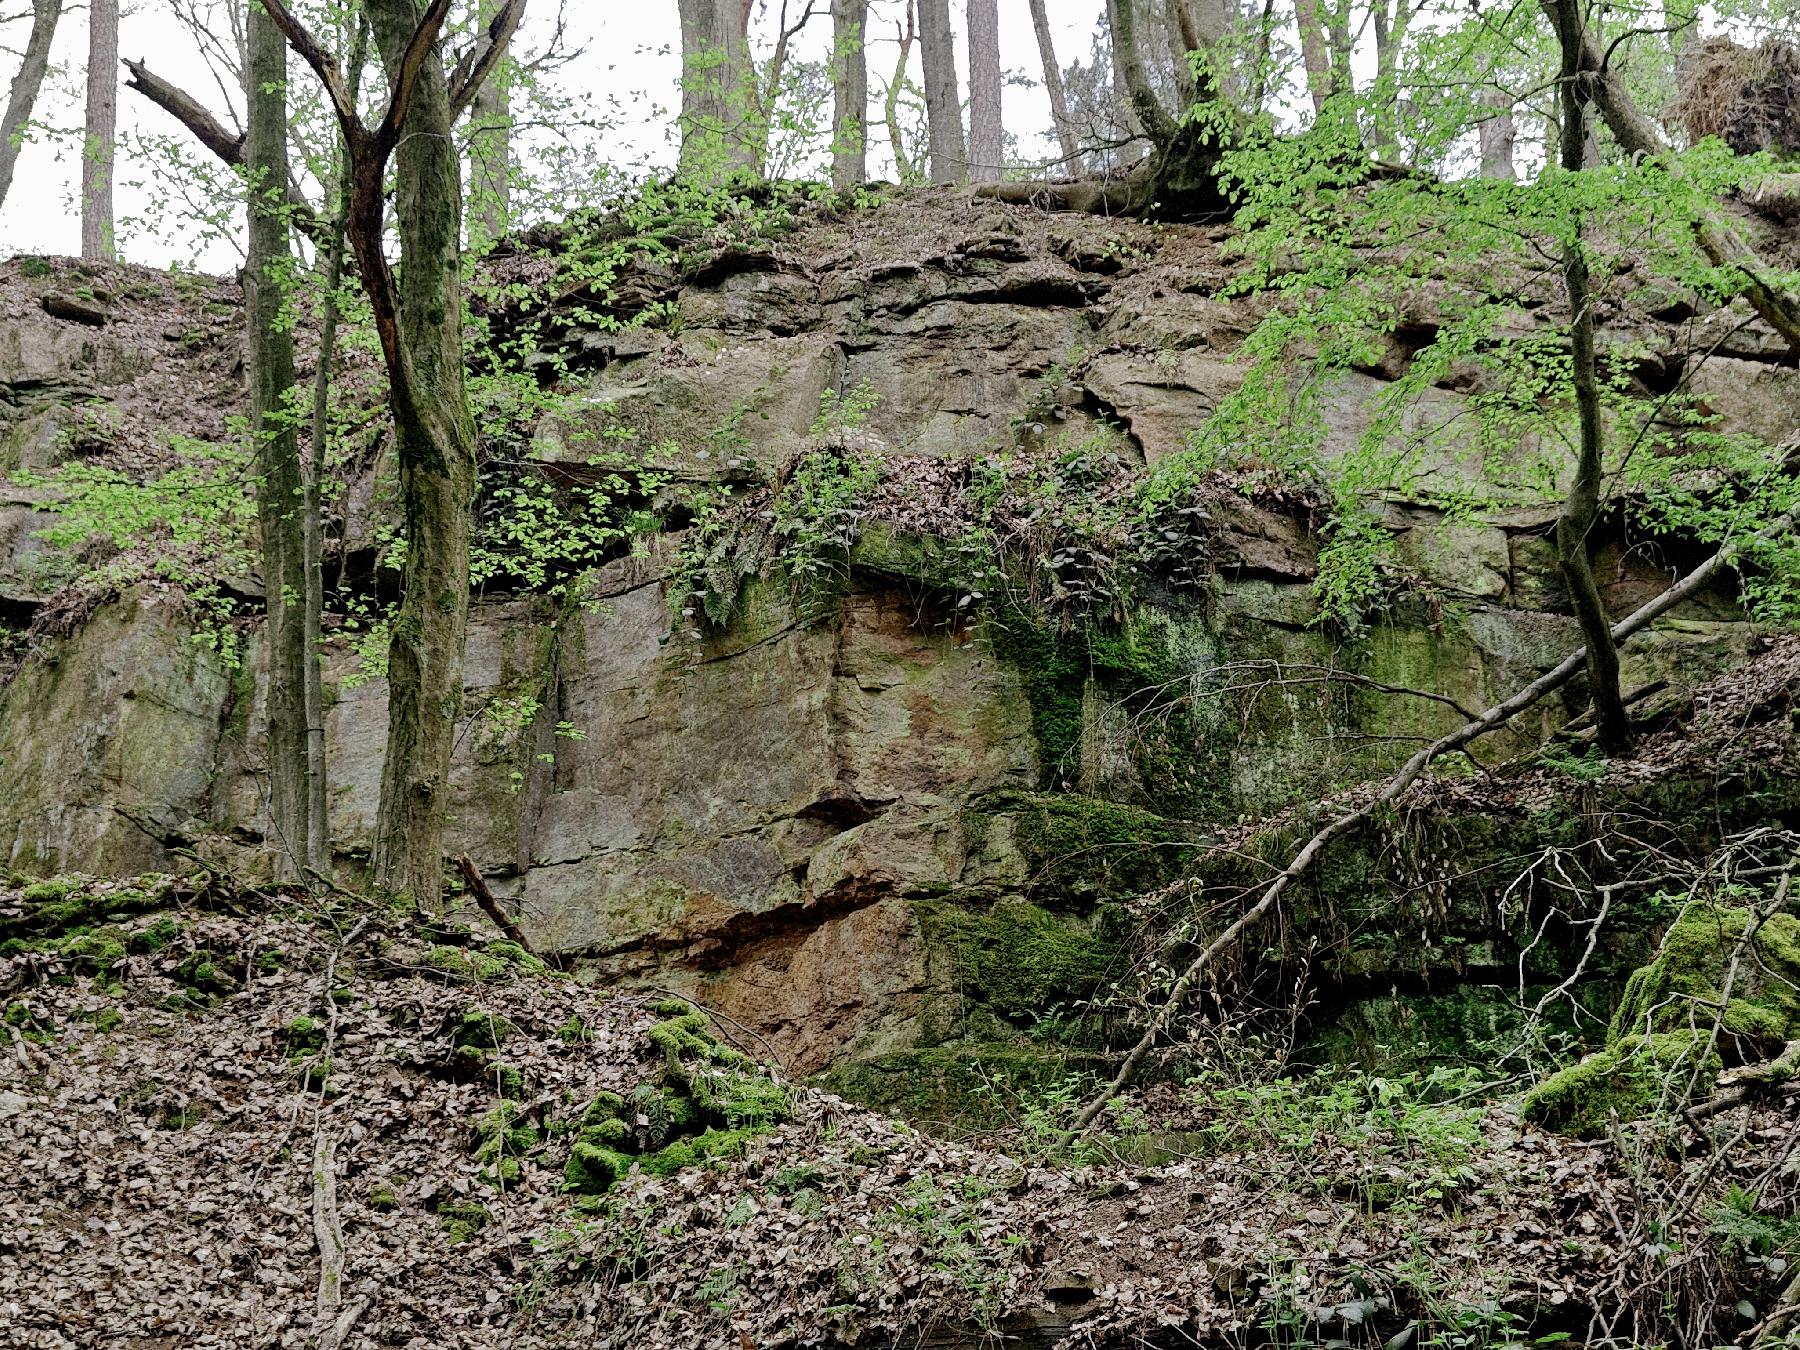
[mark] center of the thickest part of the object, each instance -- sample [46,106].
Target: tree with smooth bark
[849,94]
[986,133]
[1053,87]
[943,99]
[719,136]
[100,134]
[290,640]
[22,93]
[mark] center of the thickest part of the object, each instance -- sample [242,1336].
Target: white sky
[630,56]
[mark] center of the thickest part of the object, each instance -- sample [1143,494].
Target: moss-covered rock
[1019,961]
[1685,986]
[1626,1081]
[592,1169]
[462,1220]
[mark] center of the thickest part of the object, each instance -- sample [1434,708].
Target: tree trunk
[490,149]
[943,101]
[906,168]
[1315,55]
[849,94]
[1582,507]
[281,500]
[1053,85]
[718,93]
[435,441]
[97,244]
[1497,135]
[1181,38]
[22,96]
[986,156]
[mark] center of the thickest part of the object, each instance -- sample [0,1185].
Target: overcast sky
[629,71]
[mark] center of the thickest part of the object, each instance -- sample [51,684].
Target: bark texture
[1053,85]
[986,154]
[435,440]
[943,101]
[97,243]
[1497,133]
[21,95]
[281,504]
[906,166]
[718,92]
[849,94]
[1582,506]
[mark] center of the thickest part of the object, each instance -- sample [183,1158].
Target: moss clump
[20,1018]
[593,1168]
[107,1020]
[43,892]
[709,1146]
[489,964]
[479,1030]
[92,951]
[1685,985]
[502,1137]
[960,1088]
[303,1035]
[200,973]
[156,936]
[384,1197]
[1017,960]
[1626,1080]
[712,1099]
[462,1220]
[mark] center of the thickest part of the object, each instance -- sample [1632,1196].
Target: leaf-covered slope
[183,1063]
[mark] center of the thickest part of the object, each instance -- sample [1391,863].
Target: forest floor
[204,1086]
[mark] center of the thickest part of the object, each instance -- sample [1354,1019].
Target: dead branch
[226,145]
[478,887]
[1309,853]
[476,64]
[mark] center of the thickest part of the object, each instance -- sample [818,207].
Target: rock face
[826,826]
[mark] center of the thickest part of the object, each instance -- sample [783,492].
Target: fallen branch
[478,887]
[1308,855]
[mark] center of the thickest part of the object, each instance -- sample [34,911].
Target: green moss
[505,1132]
[593,1168]
[693,1150]
[478,1029]
[270,961]
[199,972]
[959,1087]
[1628,1079]
[303,1033]
[462,1220]
[95,950]
[42,892]
[1017,960]
[1148,669]
[106,1020]
[1082,848]
[19,1017]
[156,936]
[1684,986]
[383,1197]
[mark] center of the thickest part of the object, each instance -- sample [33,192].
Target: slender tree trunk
[1179,34]
[435,439]
[1128,63]
[849,94]
[1497,135]
[1053,85]
[718,138]
[1582,507]
[490,148]
[281,503]
[331,266]
[986,154]
[906,168]
[1315,55]
[21,97]
[1390,32]
[943,101]
[97,244]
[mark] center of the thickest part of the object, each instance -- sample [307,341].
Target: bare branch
[321,61]
[406,75]
[227,145]
[478,63]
